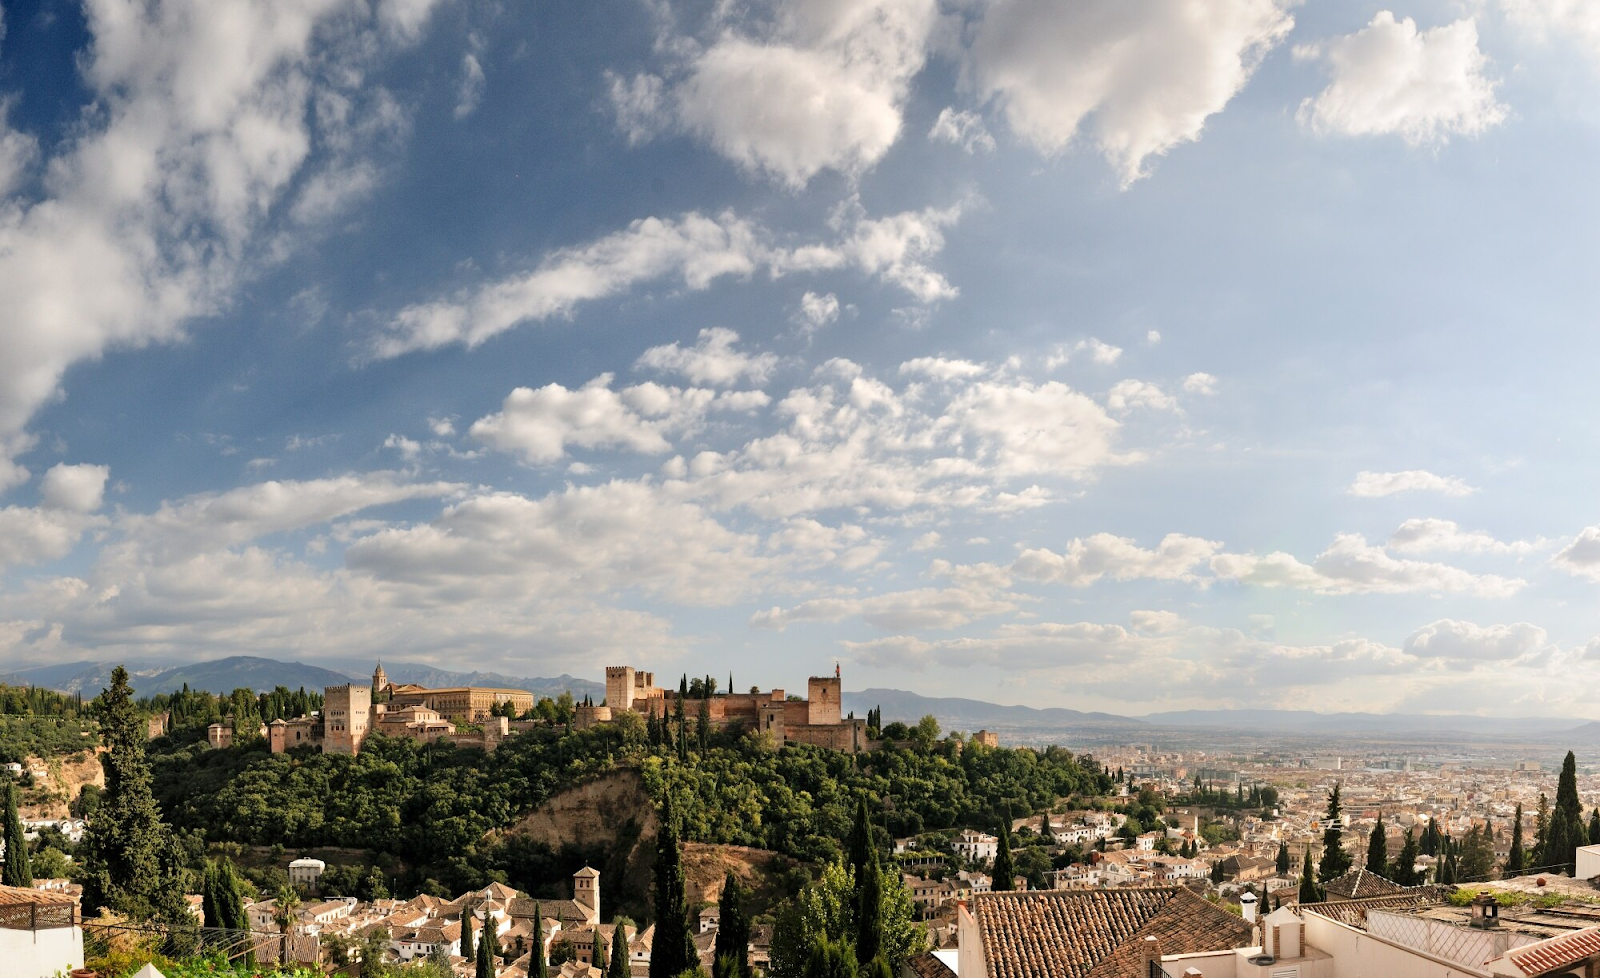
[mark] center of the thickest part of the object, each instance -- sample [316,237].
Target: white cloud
[819,86]
[1577,20]
[695,249]
[638,106]
[1374,484]
[942,368]
[1126,395]
[1153,337]
[927,541]
[469,91]
[712,360]
[18,150]
[1465,642]
[409,448]
[1446,536]
[1353,566]
[207,521]
[1202,384]
[74,488]
[961,128]
[1024,429]
[539,425]
[1087,560]
[916,610]
[1391,79]
[1582,555]
[1141,76]
[817,311]
[200,125]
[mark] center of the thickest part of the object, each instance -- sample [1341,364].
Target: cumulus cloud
[1138,76]
[961,128]
[922,609]
[1374,484]
[74,488]
[201,125]
[818,86]
[1582,555]
[1391,79]
[540,425]
[1202,384]
[712,360]
[637,103]
[1126,395]
[693,249]
[1576,20]
[942,368]
[817,311]
[1463,642]
[1087,560]
[1446,536]
[1351,565]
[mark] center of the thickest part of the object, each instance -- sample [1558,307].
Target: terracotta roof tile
[1097,933]
[1358,883]
[1353,913]
[1557,952]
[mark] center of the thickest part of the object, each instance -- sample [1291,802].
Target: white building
[39,934]
[306,871]
[976,846]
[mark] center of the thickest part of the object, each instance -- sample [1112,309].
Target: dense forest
[424,810]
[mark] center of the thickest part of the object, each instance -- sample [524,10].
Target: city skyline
[1087,356]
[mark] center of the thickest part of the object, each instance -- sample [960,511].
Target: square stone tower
[621,687]
[586,892]
[347,715]
[823,699]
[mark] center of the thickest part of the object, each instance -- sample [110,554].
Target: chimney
[1485,911]
[1247,907]
[1152,954]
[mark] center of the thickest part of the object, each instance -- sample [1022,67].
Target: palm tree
[283,914]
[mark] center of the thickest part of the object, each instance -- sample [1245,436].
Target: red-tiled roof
[1358,883]
[1557,952]
[1097,933]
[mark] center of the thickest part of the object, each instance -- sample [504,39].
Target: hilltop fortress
[351,713]
[817,719]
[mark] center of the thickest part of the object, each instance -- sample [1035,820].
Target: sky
[1120,355]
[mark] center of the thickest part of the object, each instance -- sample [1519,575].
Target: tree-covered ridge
[432,805]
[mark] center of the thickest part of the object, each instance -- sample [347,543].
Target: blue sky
[1110,355]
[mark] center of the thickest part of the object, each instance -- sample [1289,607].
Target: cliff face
[616,813]
[68,775]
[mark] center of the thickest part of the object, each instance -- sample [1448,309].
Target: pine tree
[1310,892]
[1378,849]
[17,871]
[1404,869]
[1335,861]
[1282,864]
[131,862]
[1516,859]
[617,967]
[673,951]
[1004,873]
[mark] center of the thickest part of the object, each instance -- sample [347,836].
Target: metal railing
[189,942]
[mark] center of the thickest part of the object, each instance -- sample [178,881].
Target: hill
[429,676]
[964,714]
[1369,724]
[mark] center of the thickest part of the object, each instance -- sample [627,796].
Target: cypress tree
[598,953]
[1282,865]
[131,861]
[733,931]
[1594,827]
[673,950]
[1567,831]
[1541,830]
[1378,849]
[541,963]
[831,959]
[486,953]
[1310,892]
[1404,870]
[468,950]
[617,967]
[1516,859]
[1005,873]
[859,845]
[703,722]
[1335,861]
[17,871]
[869,910]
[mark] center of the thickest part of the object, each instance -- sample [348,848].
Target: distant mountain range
[965,714]
[255,672]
